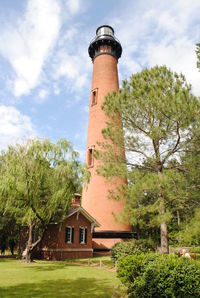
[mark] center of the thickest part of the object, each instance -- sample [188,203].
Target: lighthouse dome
[105,36]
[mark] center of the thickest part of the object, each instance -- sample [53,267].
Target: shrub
[195,249]
[132,247]
[157,276]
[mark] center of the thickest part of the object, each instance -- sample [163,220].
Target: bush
[157,276]
[132,247]
[194,249]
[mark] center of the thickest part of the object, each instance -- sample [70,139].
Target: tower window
[94,97]
[69,234]
[90,157]
[105,49]
[82,235]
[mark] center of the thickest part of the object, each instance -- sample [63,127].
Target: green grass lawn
[106,262]
[55,279]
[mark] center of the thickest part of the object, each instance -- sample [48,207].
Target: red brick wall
[54,247]
[95,196]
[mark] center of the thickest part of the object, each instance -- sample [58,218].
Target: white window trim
[70,227]
[83,229]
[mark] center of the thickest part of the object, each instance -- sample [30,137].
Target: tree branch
[138,127]
[38,216]
[174,149]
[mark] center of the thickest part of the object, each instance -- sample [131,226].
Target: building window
[82,235]
[90,157]
[105,49]
[94,97]
[69,234]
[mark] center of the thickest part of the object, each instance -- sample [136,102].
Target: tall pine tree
[158,114]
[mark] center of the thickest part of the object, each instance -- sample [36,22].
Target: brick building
[72,238]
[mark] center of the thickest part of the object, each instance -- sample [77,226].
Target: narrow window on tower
[90,157]
[94,97]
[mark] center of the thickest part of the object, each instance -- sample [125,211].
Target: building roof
[81,210]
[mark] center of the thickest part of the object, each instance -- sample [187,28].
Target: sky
[45,70]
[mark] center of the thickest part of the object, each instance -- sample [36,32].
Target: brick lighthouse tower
[104,50]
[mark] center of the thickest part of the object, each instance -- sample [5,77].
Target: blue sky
[45,70]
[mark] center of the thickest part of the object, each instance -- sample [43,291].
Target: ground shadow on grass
[45,266]
[81,287]
[7,260]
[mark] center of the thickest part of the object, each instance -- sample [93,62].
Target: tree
[158,114]
[9,232]
[190,163]
[198,55]
[37,182]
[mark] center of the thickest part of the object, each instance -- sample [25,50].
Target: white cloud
[28,43]
[179,56]
[162,32]
[74,68]
[14,126]
[56,89]
[42,96]
[43,93]
[73,6]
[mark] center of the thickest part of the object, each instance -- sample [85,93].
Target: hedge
[132,247]
[154,275]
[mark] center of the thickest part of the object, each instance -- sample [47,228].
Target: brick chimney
[76,200]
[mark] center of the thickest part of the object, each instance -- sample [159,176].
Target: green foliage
[159,115]
[9,231]
[37,182]
[194,249]
[154,275]
[39,178]
[190,235]
[122,249]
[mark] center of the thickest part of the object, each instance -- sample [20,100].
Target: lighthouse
[104,50]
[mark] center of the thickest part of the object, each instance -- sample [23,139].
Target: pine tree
[158,114]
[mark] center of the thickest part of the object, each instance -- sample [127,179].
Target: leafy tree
[190,163]
[37,181]
[9,232]
[190,235]
[158,114]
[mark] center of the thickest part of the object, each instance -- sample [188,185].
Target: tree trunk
[178,222]
[164,238]
[19,244]
[30,246]
[28,256]
[163,231]
[29,243]
[178,218]
[163,226]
